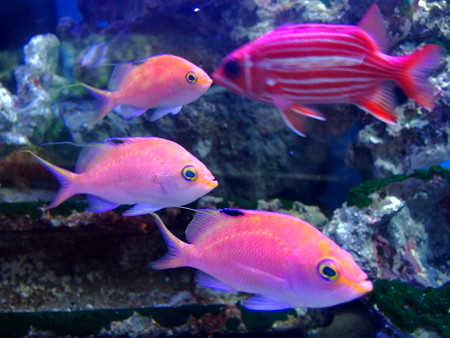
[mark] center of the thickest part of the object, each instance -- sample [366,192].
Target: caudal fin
[104,102]
[64,177]
[414,79]
[175,257]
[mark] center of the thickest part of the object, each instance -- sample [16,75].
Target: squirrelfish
[295,66]
[150,172]
[164,82]
[284,260]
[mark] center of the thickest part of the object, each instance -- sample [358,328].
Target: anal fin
[381,104]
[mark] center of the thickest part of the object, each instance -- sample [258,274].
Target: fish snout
[362,283]
[205,81]
[213,183]
[209,181]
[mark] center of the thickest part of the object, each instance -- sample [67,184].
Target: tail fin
[175,257]
[104,102]
[64,177]
[414,79]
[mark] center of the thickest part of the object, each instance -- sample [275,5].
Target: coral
[410,308]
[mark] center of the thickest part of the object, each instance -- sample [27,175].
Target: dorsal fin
[118,75]
[207,221]
[372,23]
[90,155]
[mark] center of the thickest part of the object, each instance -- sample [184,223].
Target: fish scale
[296,66]
[276,256]
[148,172]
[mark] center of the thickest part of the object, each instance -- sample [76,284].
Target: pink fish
[150,172]
[165,82]
[284,260]
[295,66]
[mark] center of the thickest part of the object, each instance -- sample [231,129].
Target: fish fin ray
[381,104]
[204,222]
[141,209]
[129,112]
[90,155]
[308,111]
[125,140]
[97,204]
[373,24]
[294,120]
[209,281]
[119,73]
[104,103]
[64,177]
[162,111]
[262,303]
[414,79]
[175,256]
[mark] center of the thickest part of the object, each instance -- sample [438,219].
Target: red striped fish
[297,65]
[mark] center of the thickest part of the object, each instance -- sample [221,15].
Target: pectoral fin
[162,111]
[294,120]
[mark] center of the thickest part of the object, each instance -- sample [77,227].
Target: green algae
[410,308]
[359,195]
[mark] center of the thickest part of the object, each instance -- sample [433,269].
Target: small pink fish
[296,66]
[151,172]
[284,260]
[165,82]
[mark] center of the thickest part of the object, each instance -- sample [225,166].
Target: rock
[403,234]
[422,138]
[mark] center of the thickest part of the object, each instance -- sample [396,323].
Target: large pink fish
[284,260]
[165,82]
[151,172]
[295,66]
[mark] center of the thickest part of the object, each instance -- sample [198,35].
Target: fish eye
[232,68]
[188,173]
[327,270]
[191,77]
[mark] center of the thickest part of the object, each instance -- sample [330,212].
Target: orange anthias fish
[164,82]
[284,260]
[295,66]
[150,172]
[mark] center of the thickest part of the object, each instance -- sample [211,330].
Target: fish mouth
[213,183]
[364,286]
[210,183]
[207,81]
